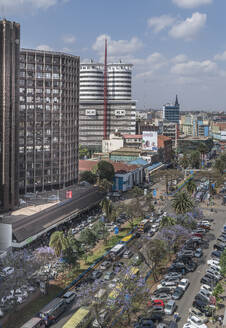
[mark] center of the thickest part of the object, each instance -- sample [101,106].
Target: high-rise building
[9,107]
[171,112]
[121,109]
[49,119]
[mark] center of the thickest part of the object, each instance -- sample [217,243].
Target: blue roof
[138,161]
[154,166]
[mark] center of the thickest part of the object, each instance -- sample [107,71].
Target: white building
[121,109]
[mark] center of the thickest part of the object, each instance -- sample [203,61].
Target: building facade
[48,120]
[121,109]
[171,112]
[9,107]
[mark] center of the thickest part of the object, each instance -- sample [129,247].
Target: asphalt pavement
[194,277]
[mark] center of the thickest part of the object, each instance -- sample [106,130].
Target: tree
[101,231]
[220,164]
[88,176]
[106,206]
[134,210]
[58,242]
[105,170]
[182,203]
[83,152]
[169,176]
[195,159]
[153,253]
[105,185]
[203,149]
[168,221]
[137,192]
[88,237]
[218,290]
[191,186]
[184,161]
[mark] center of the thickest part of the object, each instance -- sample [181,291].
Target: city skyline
[176,46]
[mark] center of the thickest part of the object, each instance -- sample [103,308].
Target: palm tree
[182,203]
[191,186]
[105,185]
[184,161]
[106,206]
[167,221]
[203,149]
[58,242]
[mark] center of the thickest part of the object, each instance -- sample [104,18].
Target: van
[34,323]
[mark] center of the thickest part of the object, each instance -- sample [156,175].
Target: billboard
[150,140]
[5,236]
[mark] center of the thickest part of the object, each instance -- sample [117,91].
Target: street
[194,277]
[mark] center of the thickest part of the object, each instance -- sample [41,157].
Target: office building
[49,119]
[171,112]
[9,107]
[121,115]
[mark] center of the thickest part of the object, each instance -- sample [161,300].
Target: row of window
[40,75]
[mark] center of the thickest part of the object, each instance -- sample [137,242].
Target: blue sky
[176,46]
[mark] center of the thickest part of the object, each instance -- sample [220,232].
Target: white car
[213,261]
[206,287]
[183,284]
[69,297]
[196,322]
[215,267]
[7,271]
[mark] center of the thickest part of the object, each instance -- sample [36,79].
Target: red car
[197,234]
[156,303]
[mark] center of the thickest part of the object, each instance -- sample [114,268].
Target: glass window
[30,74]
[30,83]
[47,75]
[56,76]
[48,91]
[39,59]
[22,74]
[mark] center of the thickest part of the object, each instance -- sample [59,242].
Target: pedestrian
[175,316]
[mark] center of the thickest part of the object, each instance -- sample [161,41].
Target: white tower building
[121,109]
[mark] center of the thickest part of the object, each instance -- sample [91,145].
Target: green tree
[184,161]
[88,237]
[88,176]
[58,242]
[218,290]
[106,206]
[83,152]
[203,149]
[105,170]
[153,253]
[191,186]
[182,203]
[105,185]
[195,159]
[167,221]
[220,165]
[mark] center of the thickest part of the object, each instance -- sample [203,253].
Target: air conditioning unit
[120,112]
[91,112]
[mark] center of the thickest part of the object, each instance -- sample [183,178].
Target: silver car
[170,307]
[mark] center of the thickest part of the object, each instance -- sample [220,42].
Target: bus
[114,294]
[117,251]
[144,225]
[34,323]
[53,310]
[80,319]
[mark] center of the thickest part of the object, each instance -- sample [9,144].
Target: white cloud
[116,47]
[221,57]
[189,28]
[180,58]
[191,3]
[44,47]
[160,23]
[70,39]
[195,68]
[14,6]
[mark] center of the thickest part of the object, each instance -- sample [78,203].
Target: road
[186,302]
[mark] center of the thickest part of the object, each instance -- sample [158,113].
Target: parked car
[176,275]
[170,307]
[127,254]
[198,252]
[96,274]
[144,323]
[178,293]
[196,322]
[103,317]
[7,271]
[195,312]
[105,265]
[183,284]
[109,275]
[207,281]
[216,254]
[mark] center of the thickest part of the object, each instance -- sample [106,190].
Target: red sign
[69,194]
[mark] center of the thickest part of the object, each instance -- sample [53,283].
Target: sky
[176,46]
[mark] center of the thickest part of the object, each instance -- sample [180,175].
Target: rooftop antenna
[105,91]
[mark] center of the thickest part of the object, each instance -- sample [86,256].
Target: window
[22,65]
[30,99]
[30,91]
[55,91]
[30,66]
[22,98]
[56,76]
[38,90]
[22,74]
[48,91]
[47,75]
[39,75]
[22,83]
[22,90]
[30,83]
[39,59]
[30,74]
[39,67]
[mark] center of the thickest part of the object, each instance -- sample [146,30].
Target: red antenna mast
[105,91]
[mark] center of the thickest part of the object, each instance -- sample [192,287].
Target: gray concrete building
[48,120]
[121,109]
[9,107]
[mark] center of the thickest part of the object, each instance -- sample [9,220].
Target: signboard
[150,140]
[5,236]
[69,194]
[154,193]
[116,230]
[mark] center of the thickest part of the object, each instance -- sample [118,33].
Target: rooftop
[119,167]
